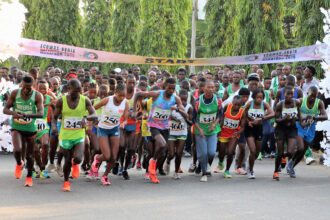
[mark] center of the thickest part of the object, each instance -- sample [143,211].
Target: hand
[212,127]
[236,133]
[250,124]
[201,133]
[173,108]
[122,125]
[257,121]
[18,115]
[83,122]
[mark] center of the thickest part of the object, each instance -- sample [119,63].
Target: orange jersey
[231,122]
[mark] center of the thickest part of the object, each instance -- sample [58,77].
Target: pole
[193,33]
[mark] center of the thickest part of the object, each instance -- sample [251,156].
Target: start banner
[66,52]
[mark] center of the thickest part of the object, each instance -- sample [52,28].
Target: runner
[286,115]
[27,105]
[114,107]
[256,111]
[234,87]
[311,110]
[158,121]
[207,113]
[43,131]
[179,121]
[72,134]
[232,126]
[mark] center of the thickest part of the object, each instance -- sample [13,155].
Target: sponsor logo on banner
[280,55]
[54,50]
[91,55]
[251,58]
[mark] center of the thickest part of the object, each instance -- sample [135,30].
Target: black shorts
[25,134]
[255,131]
[285,132]
[155,131]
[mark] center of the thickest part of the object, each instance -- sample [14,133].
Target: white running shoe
[251,175]
[50,168]
[59,170]
[204,178]
[176,176]
[309,160]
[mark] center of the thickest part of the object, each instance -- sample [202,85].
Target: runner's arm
[223,115]
[92,114]
[125,115]
[277,97]
[101,103]
[40,107]
[278,113]
[323,114]
[139,95]
[56,114]
[225,95]
[269,112]
[242,123]
[9,104]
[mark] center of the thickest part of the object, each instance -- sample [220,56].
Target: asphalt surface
[305,197]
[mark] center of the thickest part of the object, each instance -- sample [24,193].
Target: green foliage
[97,27]
[216,20]
[309,22]
[56,21]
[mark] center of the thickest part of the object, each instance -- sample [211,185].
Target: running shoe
[59,170]
[66,186]
[44,175]
[125,175]
[180,170]
[227,174]
[18,171]
[28,181]
[176,176]
[115,168]
[204,178]
[146,176]
[138,166]
[167,168]
[309,160]
[272,154]
[152,167]
[251,175]
[120,171]
[293,173]
[266,155]
[259,156]
[50,168]
[75,171]
[192,168]
[186,154]
[276,176]
[218,168]
[283,163]
[90,175]
[290,169]
[105,181]
[241,171]
[34,174]
[96,164]
[153,178]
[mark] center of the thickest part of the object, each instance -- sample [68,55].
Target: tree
[55,21]
[97,27]
[164,26]
[309,22]
[216,19]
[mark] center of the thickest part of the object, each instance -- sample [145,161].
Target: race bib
[110,120]
[207,118]
[177,128]
[23,121]
[256,113]
[72,123]
[41,124]
[230,123]
[292,112]
[161,114]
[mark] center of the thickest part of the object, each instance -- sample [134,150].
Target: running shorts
[285,132]
[25,134]
[155,131]
[177,137]
[130,127]
[307,134]
[40,134]
[69,144]
[242,139]
[114,132]
[255,131]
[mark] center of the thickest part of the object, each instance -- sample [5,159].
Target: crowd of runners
[72,123]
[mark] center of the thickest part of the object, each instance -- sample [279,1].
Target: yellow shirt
[144,126]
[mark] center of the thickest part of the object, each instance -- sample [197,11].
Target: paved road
[306,197]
